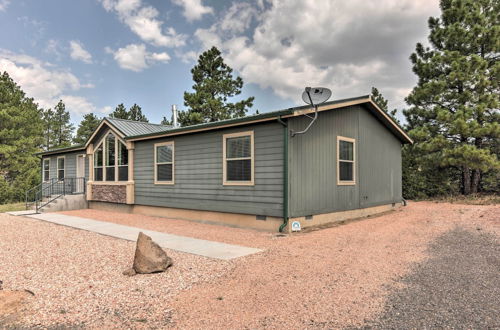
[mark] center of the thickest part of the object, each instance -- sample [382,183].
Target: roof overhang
[292,112]
[61,150]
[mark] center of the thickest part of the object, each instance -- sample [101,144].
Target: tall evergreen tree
[135,113]
[87,126]
[166,122]
[120,112]
[383,103]
[48,128]
[454,116]
[63,128]
[21,135]
[214,84]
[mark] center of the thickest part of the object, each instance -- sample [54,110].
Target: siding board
[198,173]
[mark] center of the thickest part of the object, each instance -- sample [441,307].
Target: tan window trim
[224,159]
[102,141]
[43,170]
[353,161]
[58,169]
[156,181]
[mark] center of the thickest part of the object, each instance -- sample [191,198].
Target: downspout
[285,174]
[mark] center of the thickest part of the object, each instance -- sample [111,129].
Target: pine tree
[214,84]
[454,117]
[63,129]
[86,128]
[48,128]
[120,112]
[383,104]
[166,122]
[21,135]
[135,113]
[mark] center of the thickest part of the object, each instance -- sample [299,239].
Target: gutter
[285,174]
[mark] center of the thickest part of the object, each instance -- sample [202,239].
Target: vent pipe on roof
[174,116]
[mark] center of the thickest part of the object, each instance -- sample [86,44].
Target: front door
[80,173]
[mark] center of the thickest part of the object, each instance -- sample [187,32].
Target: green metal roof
[75,147]
[133,130]
[131,127]
[242,120]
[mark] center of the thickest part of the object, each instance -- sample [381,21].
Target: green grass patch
[12,207]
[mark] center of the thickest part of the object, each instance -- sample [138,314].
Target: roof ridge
[136,121]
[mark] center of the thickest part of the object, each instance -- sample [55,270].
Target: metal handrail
[54,190]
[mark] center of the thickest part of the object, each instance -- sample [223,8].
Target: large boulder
[149,256]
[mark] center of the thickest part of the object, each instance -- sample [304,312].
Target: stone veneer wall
[109,193]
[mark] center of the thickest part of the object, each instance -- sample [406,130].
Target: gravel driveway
[426,265]
[457,287]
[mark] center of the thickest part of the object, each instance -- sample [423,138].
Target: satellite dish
[316,95]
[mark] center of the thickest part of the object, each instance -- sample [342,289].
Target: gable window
[346,167]
[46,169]
[111,160]
[164,163]
[110,157]
[238,154]
[98,157]
[60,168]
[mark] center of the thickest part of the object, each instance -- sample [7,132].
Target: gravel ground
[332,278]
[458,287]
[77,279]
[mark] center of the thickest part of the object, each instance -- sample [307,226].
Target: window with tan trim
[346,163]
[60,167]
[164,163]
[46,169]
[111,159]
[238,158]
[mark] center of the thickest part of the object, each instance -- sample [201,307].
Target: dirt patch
[332,278]
[12,304]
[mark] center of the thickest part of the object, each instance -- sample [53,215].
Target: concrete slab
[20,213]
[196,246]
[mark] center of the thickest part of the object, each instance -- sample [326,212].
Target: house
[245,172]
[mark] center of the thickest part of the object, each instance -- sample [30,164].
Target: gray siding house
[245,172]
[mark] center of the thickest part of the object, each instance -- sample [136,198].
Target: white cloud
[193,9]
[53,48]
[44,82]
[348,46]
[143,21]
[79,53]
[135,57]
[4,4]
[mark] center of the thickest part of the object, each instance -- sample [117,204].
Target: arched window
[111,160]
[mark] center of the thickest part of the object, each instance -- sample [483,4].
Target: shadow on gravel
[457,287]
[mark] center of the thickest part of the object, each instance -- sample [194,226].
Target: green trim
[61,150]
[285,174]
[242,120]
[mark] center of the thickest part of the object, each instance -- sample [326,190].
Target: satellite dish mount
[314,96]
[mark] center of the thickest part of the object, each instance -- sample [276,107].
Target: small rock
[149,256]
[1,282]
[129,272]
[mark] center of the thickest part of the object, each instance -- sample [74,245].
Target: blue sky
[95,54]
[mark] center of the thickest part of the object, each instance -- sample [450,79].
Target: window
[110,157]
[98,162]
[122,162]
[346,161]
[164,163]
[46,169]
[238,166]
[60,168]
[111,160]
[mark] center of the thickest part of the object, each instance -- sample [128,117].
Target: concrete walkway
[174,242]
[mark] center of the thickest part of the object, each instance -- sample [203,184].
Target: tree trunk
[476,179]
[466,180]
